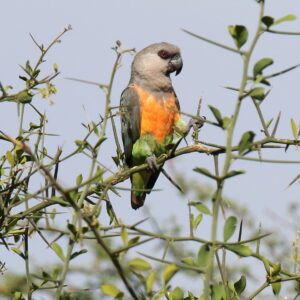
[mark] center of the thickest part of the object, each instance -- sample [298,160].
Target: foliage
[27,211]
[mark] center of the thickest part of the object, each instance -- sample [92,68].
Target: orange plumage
[157,116]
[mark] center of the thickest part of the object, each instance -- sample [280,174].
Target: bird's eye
[164,54]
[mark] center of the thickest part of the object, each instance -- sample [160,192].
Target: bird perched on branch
[150,117]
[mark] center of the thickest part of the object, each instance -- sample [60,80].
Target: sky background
[85,53]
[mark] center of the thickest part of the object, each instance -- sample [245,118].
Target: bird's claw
[152,163]
[196,122]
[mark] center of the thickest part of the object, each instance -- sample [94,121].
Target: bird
[150,114]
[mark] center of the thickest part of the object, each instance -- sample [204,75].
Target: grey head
[152,66]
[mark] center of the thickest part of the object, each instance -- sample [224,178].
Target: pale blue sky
[85,53]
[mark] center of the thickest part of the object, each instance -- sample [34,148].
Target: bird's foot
[152,163]
[195,123]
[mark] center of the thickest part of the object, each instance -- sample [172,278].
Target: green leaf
[234,173]
[77,253]
[55,68]
[246,142]
[276,287]
[285,18]
[261,65]
[268,21]
[229,228]
[196,221]
[139,264]
[201,207]
[73,230]
[79,179]
[177,294]
[258,93]
[240,285]
[10,158]
[217,114]
[110,212]
[204,172]
[100,141]
[269,123]
[150,281]
[241,249]
[168,272]
[239,34]
[188,260]
[110,290]
[18,251]
[226,122]
[275,270]
[294,129]
[133,240]
[124,236]
[218,292]
[203,256]
[266,265]
[57,249]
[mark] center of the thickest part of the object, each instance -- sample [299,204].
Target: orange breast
[157,116]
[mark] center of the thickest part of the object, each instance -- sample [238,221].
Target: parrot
[150,114]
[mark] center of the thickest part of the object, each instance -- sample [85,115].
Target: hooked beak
[176,63]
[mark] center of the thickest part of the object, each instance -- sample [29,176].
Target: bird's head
[158,59]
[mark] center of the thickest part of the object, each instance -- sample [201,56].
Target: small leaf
[196,221]
[269,123]
[201,207]
[109,289]
[276,270]
[188,260]
[79,179]
[177,294]
[240,285]
[218,292]
[226,122]
[240,249]
[285,18]
[77,253]
[18,251]
[10,158]
[276,287]
[229,228]
[203,256]
[261,65]
[150,281]
[239,34]
[110,212]
[294,129]
[168,272]
[217,114]
[133,240]
[267,266]
[73,230]
[55,68]
[204,172]
[28,67]
[258,93]
[124,236]
[100,141]
[234,173]
[246,142]
[268,21]
[139,264]
[57,249]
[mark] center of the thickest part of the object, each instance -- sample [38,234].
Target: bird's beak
[177,64]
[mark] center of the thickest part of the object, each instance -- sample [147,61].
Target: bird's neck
[154,83]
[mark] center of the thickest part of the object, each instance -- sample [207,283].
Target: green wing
[130,121]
